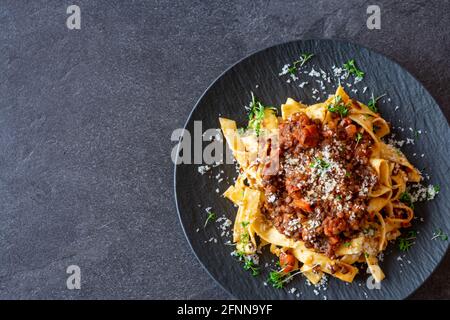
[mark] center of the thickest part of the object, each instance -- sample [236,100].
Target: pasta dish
[319,186]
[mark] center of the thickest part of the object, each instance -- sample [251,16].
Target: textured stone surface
[86,118]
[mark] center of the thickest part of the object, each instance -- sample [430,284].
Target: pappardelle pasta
[319,186]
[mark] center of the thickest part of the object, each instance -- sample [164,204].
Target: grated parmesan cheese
[203,169]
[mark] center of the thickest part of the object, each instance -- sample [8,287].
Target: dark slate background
[86,118]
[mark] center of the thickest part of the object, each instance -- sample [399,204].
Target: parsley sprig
[248,263]
[439,234]
[358,137]
[211,217]
[406,198]
[245,238]
[372,104]
[408,241]
[351,67]
[304,57]
[278,278]
[341,109]
[320,164]
[338,107]
[256,114]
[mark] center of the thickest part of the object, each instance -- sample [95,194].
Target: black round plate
[417,110]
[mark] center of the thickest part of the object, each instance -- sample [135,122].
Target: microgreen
[405,243]
[211,217]
[405,197]
[439,234]
[278,278]
[351,67]
[338,107]
[358,137]
[372,104]
[248,263]
[256,114]
[304,57]
[320,164]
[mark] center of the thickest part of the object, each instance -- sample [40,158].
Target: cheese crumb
[203,169]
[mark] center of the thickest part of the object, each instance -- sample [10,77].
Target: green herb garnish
[341,109]
[350,66]
[337,99]
[256,114]
[405,197]
[211,217]
[358,137]
[439,234]
[293,69]
[338,107]
[245,237]
[339,197]
[278,278]
[319,163]
[411,234]
[241,255]
[304,57]
[347,244]
[250,265]
[407,242]
[372,104]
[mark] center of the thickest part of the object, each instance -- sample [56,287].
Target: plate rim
[216,79]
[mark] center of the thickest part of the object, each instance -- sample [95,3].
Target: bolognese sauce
[320,192]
